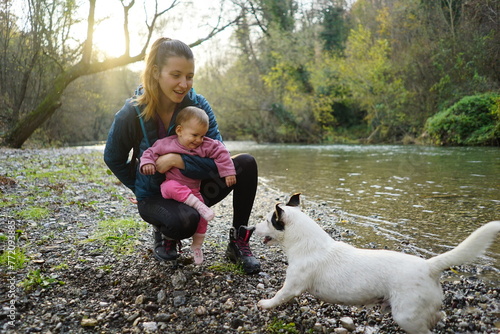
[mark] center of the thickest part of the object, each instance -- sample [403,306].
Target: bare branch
[126,32]
[151,25]
[215,31]
[253,11]
[88,45]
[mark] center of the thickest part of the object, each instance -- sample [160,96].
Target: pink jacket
[210,148]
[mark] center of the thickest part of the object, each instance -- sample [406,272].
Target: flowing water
[429,197]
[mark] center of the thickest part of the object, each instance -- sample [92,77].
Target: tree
[367,72]
[380,66]
[279,14]
[51,59]
[334,32]
[88,107]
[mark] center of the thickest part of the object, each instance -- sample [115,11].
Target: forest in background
[374,71]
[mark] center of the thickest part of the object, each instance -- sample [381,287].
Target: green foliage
[334,28]
[459,75]
[227,267]
[34,213]
[36,279]
[474,120]
[366,70]
[279,13]
[288,80]
[62,266]
[13,259]
[294,72]
[279,326]
[119,234]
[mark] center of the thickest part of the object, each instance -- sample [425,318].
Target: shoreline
[88,285]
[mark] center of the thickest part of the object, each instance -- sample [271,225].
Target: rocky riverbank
[77,259]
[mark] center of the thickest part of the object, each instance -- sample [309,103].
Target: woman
[167,82]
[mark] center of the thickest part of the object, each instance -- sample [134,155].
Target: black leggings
[178,221]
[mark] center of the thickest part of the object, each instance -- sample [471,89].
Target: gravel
[85,275]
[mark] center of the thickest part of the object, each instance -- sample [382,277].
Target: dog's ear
[294,200]
[276,218]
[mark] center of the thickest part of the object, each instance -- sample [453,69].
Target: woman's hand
[165,162]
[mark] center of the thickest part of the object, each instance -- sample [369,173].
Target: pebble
[90,322]
[200,310]
[229,304]
[139,299]
[179,280]
[347,323]
[150,326]
[179,300]
[161,296]
[133,317]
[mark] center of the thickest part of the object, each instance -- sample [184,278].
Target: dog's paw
[265,303]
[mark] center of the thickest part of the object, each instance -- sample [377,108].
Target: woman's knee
[174,220]
[245,163]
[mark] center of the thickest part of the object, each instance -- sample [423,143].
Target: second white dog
[339,273]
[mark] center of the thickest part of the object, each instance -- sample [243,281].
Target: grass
[227,267]
[36,279]
[13,259]
[279,326]
[34,213]
[106,268]
[119,234]
[62,266]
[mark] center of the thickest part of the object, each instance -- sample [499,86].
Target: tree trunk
[25,126]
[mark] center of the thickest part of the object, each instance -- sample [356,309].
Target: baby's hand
[230,180]
[148,169]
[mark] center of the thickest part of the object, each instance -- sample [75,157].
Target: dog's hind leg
[411,324]
[416,312]
[416,320]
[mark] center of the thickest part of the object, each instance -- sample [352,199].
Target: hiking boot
[164,249]
[238,250]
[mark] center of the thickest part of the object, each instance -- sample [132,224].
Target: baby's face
[190,133]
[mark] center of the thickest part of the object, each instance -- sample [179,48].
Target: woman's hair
[161,50]
[192,112]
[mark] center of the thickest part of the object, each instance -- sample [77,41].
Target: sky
[188,22]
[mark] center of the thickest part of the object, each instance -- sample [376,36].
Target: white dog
[339,273]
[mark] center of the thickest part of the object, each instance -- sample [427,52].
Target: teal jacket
[126,136]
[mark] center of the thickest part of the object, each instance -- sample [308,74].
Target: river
[429,197]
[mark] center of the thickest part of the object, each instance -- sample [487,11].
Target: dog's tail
[469,249]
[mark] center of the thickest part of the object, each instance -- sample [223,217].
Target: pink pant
[171,189]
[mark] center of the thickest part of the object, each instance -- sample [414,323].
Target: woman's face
[175,79]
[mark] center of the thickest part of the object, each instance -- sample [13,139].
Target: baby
[191,126]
